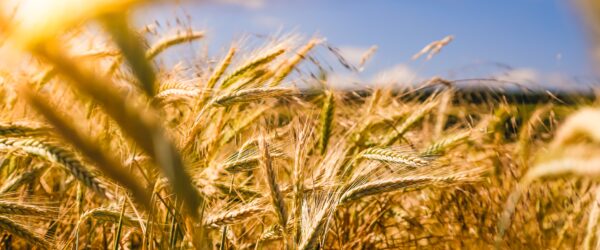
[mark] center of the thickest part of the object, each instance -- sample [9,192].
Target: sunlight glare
[38,20]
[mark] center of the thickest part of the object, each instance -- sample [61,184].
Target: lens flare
[36,21]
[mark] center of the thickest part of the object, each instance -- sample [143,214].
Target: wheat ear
[23,178]
[216,75]
[444,144]
[58,155]
[298,173]
[164,43]
[270,177]
[233,216]
[22,129]
[442,112]
[408,123]
[326,121]
[391,156]
[384,186]
[246,121]
[250,95]
[23,233]
[228,189]
[286,68]
[112,168]
[271,234]
[144,127]
[244,164]
[315,222]
[109,215]
[176,93]
[11,208]
[243,70]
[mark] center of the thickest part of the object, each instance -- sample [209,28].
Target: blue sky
[545,37]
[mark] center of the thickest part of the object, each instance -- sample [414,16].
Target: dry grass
[234,156]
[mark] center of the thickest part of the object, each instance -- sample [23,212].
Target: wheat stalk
[11,208]
[109,215]
[326,121]
[580,124]
[433,48]
[556,168]
[567,166]
[22,129]
[391,156]
[366,56]
[272,234]
[242,124]
[22,232]
[342,171]
[176,92]
[408,123]
[298,176]
[315,218]
[131,47]
[250,95]
[270,177]
[233,216]
[246,159]
[248,67]
[592,225]
[179,38]
[98,54]
[242,165]
[255,79]
[23,178]
[45,76]
[58,155]
[389,185]
[218,72]
[442,112]
[113,169]
[228,189]
[286,68]
[144,127]
[440,146]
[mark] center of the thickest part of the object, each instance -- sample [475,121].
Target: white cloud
[562,81]
[399,74]
[344,81]
[520,75]
[353,54]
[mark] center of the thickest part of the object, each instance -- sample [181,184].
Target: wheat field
[105,147]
